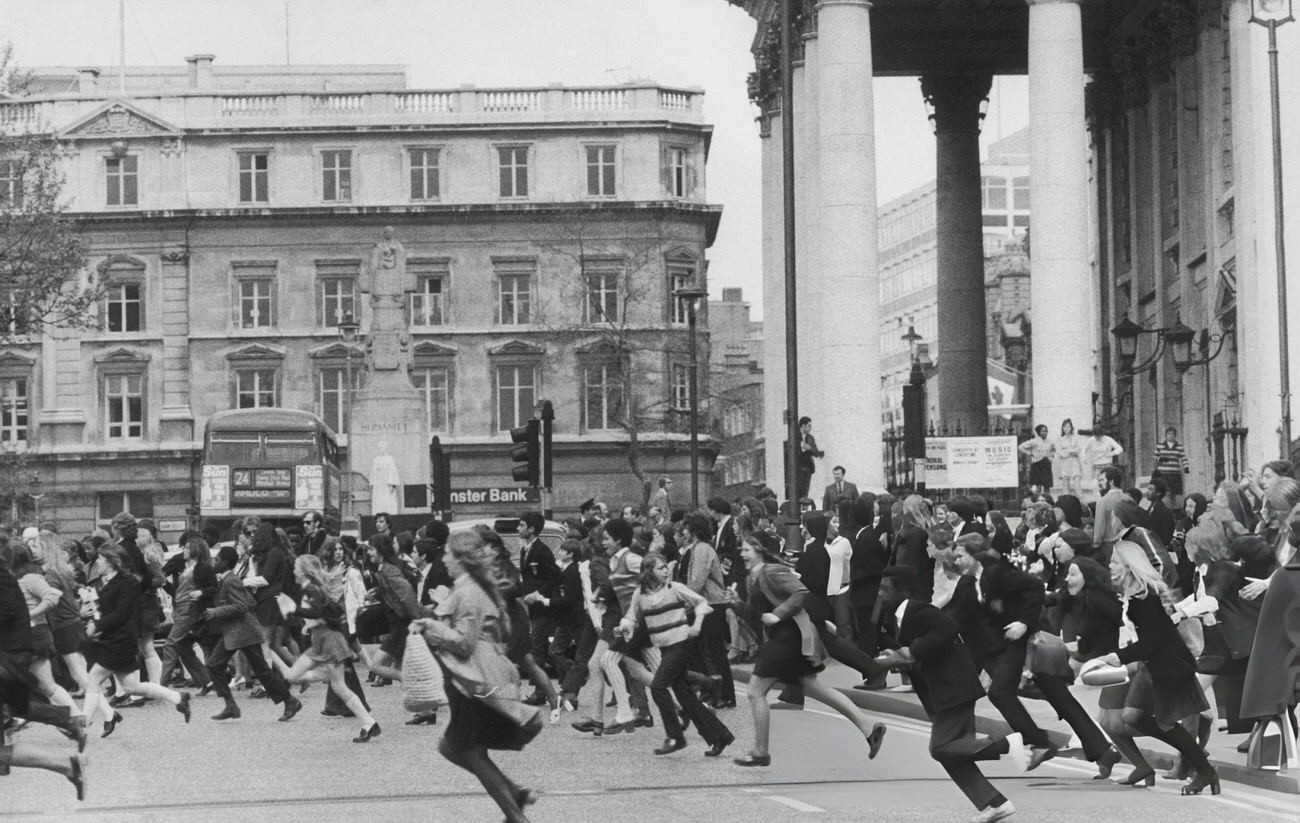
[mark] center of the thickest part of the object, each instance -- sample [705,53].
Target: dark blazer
[566,604]
[866,564]
[538,571]
[436,577]
[1168,660]
[831,497]
[814,570]
[232,614]
[944,675]
[972,620]
[727,544]
[1097,617]
[15,618]
[396,593]
[1011,596]
[1161,521]
[910,550]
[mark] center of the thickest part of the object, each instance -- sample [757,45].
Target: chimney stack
[200,70]
[87,80]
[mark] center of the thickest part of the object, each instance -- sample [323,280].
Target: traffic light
[526,453]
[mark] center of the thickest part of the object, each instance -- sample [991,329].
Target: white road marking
[797,805]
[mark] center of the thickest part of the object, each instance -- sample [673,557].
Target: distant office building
[736,376]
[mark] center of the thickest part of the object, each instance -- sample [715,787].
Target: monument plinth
[389,441]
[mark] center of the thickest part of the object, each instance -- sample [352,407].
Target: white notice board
[971,463]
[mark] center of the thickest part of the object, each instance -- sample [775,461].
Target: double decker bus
[278,464]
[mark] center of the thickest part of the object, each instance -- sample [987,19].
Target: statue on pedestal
[387,288]
[385,482]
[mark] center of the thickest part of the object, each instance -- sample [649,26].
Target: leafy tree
[42,257]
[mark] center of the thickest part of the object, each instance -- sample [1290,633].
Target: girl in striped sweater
[663,607]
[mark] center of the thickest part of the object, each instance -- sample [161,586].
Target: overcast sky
[447,43]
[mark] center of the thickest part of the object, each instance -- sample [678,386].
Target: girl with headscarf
[1163,690]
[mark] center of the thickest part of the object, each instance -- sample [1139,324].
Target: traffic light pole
[547,460]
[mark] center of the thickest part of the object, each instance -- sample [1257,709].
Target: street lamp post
[349,329]
[692,295]
[1271,14]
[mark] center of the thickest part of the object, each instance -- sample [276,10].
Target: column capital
[956,98]
[865,4]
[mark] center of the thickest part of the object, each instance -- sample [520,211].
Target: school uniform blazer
[944,675]
[232,614]
[1012,596]
[972,620]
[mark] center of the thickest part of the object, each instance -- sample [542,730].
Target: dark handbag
[1047,655]
[372,622]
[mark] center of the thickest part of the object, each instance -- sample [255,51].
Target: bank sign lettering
[495,494]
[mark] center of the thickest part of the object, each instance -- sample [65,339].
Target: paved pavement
[155,769]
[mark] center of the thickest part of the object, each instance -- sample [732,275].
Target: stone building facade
[231,212]
[736,378]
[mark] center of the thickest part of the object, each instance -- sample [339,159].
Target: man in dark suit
[538,573]
[232,627]
[1160,520]
[948,686]
[998,608]
[726,540]
[840,489]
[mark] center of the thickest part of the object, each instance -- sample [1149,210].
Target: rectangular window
[332,395]
[427,302]
[336,171]
[13,410]
[109,504]
[123,308]
[677,171]
[680,277]
[514,298]
[254,177]
[602,296]
[1020,193]
[600,171]
[337,300]
[512,162]
[602,402]
[122,179]
[255,389]
[255,303]
[424,174]
[516,395]
[680,388]
[434,385]
[995,192]
[124,406]
[11,185]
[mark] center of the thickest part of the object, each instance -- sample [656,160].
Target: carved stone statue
[385,482]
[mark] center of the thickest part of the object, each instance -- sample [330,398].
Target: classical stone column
[846,283]
[807,181]
[962,341]
[1058,200]
[774,383]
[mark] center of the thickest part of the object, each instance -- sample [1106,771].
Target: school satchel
[422,684]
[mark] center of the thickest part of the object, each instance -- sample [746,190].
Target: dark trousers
[542,627]
[334,703]
[1005,669]
[566,634]
[1068,709]
[955,747]
[218,656]
[576,677]
[712,643]
[670,680]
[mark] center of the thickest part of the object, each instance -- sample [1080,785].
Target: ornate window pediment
[334,351]
[601,347]
[430,350]
[516,348]
[117,119]
[257,353]
[16,361]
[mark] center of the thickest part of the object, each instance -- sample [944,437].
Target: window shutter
[666,169]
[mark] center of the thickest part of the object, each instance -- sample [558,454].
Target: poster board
[971,463]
